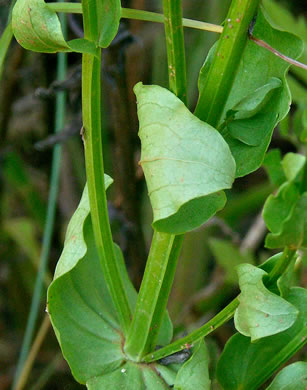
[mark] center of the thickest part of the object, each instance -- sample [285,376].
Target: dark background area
[27,108]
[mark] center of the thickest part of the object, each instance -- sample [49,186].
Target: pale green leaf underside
[260,313]
[36,27]
[292,377]
[292,164]
[279,208]
[80,307]
[242,362]
[252,103]
[184,161]
[273,167]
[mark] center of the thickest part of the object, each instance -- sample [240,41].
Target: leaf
[280,207]
[186,162]
[37,27]
[194,373]
[244,365]
[260,313]
[292,377]
[257,67]
[273,167]
[293,164]
[252,103]
[251,113]
[80,306]
[229,256]
[294,229]
[110,18]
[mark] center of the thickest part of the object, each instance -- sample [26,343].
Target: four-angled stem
[91,109]
[165,248]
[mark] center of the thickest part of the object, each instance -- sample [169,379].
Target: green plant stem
[223,68]
[136,14]
[175,48]
[265,372]
[153,295]
[223,316]
[185,342]
[50,218]
[165,248]
[91,109]
[281,266]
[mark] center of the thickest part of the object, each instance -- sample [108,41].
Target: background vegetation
[205,279]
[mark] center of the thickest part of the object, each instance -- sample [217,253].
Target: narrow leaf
[193,374]
[184,161]
[260,313]
[294,229]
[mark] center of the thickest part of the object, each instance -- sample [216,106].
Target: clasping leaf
[260,313]
[184,160]
[37,27]
[259,97]
[80,306]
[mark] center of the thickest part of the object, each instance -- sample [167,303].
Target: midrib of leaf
[165,248]
[91,110]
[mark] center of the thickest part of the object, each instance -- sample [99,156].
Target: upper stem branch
[136,14]
[223,316]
